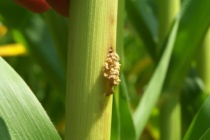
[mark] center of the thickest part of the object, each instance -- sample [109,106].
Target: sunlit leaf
[21,115]
[153,89]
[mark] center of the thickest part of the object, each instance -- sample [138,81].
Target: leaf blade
[153,90]
[20,111]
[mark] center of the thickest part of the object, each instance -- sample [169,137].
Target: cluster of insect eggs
[112,68]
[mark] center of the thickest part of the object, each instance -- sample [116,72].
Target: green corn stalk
[92,31]
[170,110]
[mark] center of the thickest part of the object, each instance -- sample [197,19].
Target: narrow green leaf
[153,90]
[206,135]
[127,129]
[200,123]
[194,23]
[21,115]
[115,128]
[4,133]
[144,22]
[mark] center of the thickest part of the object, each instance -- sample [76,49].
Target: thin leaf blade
[153,90]
[127,129]
[200,124]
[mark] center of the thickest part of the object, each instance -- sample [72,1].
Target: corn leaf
[127,129]
[206,135]
[153,90]
[190,34]
[21,115]
[199,128]
[144,23]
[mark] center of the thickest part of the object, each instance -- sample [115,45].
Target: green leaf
[144,22]
[122,121]
[21,115]
[41,47]
[200,125]
[59,30]
[153,89]
[194,23]
[206,135]
[15,17]
[115,128]
[31,30]
[127,129]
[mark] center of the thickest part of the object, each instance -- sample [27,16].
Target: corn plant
[104,69]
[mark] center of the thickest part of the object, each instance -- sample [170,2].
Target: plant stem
[203,64]
[92,31]
[120,30]
[167,12]
[170,118]
[170,122]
